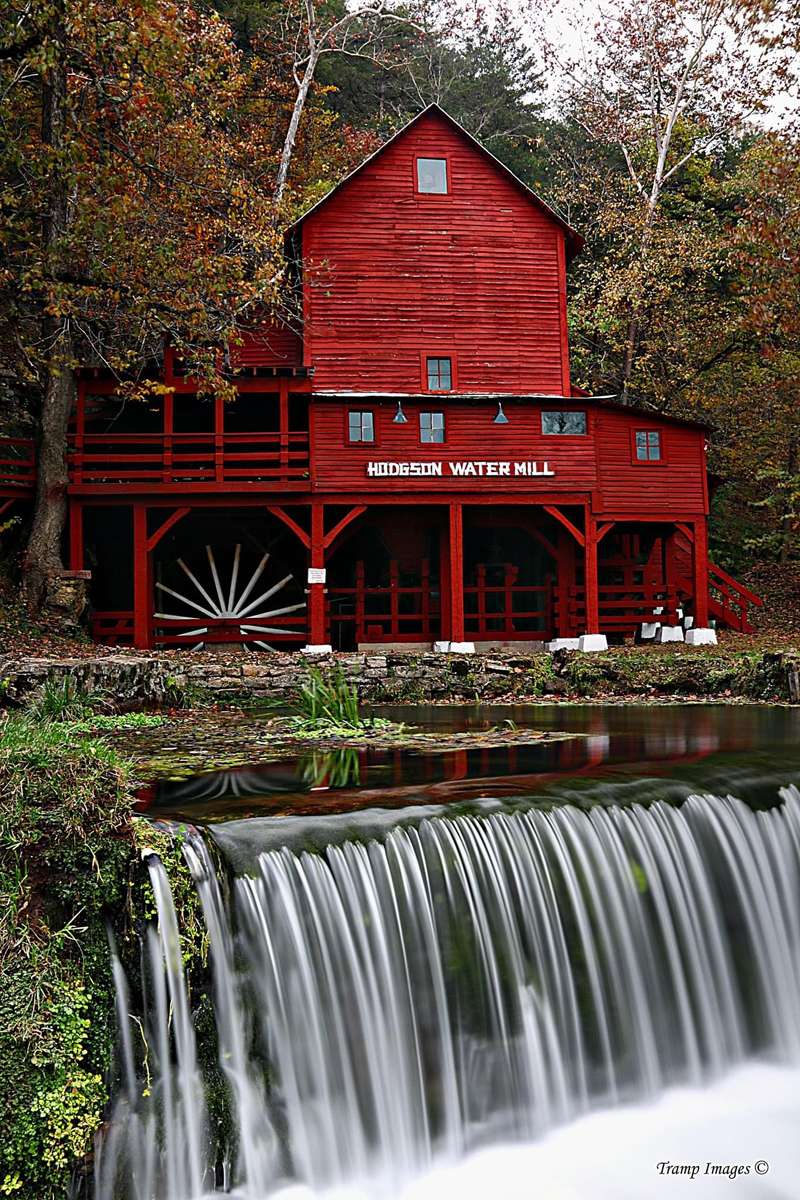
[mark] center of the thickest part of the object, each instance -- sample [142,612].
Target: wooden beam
[165,527]
[317,632]
[5,505]
[602,530]
[331,537]
[290,523]
[700,573]
[456,573]
[142,595]
[686,530]
[565,521]
[590,581]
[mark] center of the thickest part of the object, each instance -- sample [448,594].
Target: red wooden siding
[675,485]
[598,465]
[477,274]
[271,346]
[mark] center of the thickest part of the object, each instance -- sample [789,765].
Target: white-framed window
[360,426]
[431,426]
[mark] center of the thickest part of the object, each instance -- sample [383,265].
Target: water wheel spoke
[185,600]
[253,581]
[276,587]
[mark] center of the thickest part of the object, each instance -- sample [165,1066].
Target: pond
[567,969]
[660,751]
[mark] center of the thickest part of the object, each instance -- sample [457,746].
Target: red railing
[288,630]
[17,466]
[729,600]
[116,628]
[507,610]
[397,613]
[623,608]
[188,458]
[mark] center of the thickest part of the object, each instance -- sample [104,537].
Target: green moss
[66,855]
[70,867]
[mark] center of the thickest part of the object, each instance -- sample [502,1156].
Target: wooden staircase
[729,602]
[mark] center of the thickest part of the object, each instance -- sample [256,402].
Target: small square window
[648,445]
[361,427]
[432,176]
[564,422]
[440,374]
[431,426]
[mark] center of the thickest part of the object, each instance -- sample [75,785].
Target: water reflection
[749,750]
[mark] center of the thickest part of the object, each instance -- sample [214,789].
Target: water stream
[550,1000]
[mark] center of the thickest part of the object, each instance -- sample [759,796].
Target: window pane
[361,427]
[654,445]
[431,426]
[564,422]
[641,445]
[440,374]
[432,175]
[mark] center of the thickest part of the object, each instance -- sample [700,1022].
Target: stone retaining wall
[131,680]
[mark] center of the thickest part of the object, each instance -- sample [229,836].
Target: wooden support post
[75,535]
[456,554]
[670,614]
[142,589]
[317,632]
[444,584]
[590,587]
[700,572]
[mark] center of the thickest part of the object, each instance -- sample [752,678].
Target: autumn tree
[137,182]
[662,87]
[753,398]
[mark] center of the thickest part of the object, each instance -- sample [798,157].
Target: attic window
[432,176]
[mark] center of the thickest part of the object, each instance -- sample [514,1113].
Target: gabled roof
[574,241]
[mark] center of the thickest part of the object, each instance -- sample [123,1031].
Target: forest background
[151,152]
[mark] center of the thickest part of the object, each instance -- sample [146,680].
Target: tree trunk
[294,125]
[43,553]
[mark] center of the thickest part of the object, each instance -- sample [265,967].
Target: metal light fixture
[399,417]
[501,418]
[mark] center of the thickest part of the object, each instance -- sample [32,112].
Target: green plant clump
[70,867]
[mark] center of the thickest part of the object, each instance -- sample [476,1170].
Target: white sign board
[484,468]
[316,574]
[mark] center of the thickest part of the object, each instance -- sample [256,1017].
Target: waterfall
[391,1005]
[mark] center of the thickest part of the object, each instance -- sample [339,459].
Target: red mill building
[414,467]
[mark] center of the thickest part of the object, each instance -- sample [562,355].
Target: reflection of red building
[410,466]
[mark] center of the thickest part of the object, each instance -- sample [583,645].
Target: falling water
[467,982]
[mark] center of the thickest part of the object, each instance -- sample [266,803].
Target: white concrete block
[562,644]
[670,633]
[462,647]
[590,643]
[688,622]
[649,630]
[701,637]
[317,650]
[441,647]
